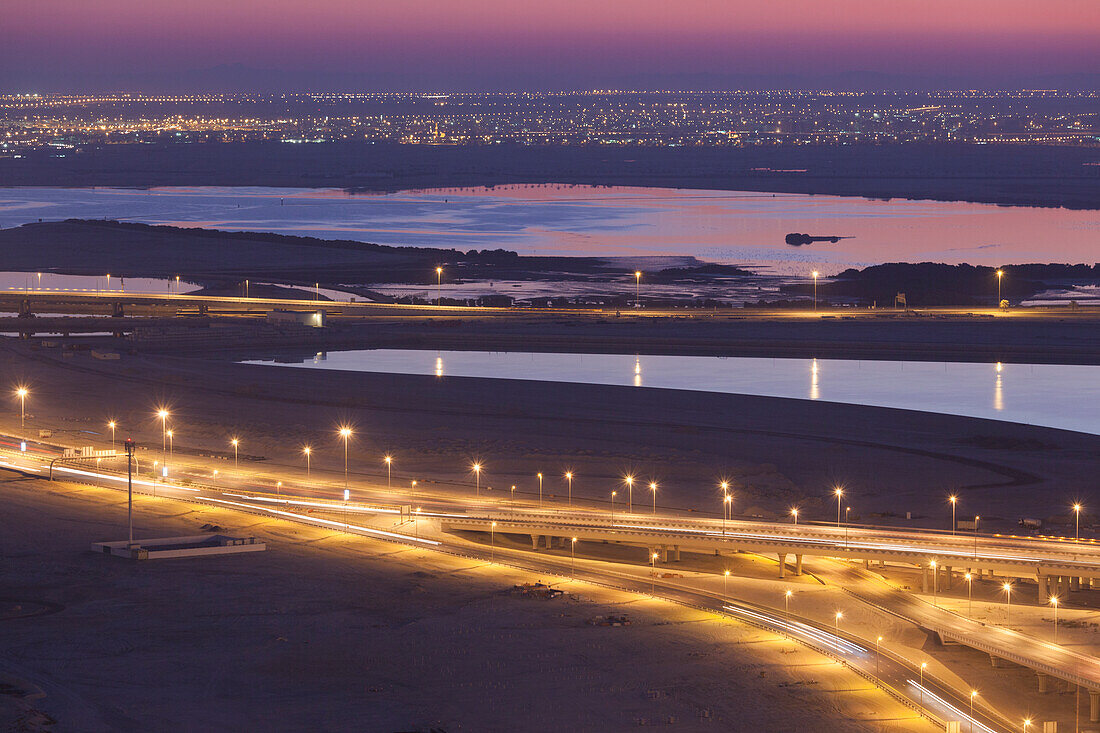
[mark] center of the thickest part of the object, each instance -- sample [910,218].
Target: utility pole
[130,487]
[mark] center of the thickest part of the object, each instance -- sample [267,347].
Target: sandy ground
[777,453]
[329,632]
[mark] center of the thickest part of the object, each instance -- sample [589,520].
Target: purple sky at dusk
[421,43]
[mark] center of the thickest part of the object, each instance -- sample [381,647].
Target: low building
[312,319]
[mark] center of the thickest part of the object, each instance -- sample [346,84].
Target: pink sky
[422,37]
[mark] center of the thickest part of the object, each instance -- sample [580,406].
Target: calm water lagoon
[555,219]
[1038,394]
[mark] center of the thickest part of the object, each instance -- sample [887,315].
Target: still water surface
[557,219]
[1051,395]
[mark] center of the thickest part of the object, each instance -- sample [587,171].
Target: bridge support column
[535,541]
[675,553]
[1063,585]
[923,579]
[1094,706]
[996,662]
[1043,591]
[549,542]
[664,553]
[798,565]
[947,577]
[782,565]
[1043,686]
[1075,583]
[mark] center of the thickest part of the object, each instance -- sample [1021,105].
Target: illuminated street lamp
[794,513]
[540,489]
[235,443]
[629,493]
[513,500]
[21,392]
[569,480]
[215,477]
[935,581]
[573,558]
[787,604]
[307,452]
[438,285]
[878,653]
[278,488]
[652,573]
[613,506]
[973,694]
[492,542]
[923,665]
[1027,724]
[1007,588]
[477,473]
[1077,523]
[725,578]
[727,509]
[345,433]
[653,488]
[171,447]
[954,500]
[815,273]
[163,415]
[389,470]
[1000,275]
[839,616]
[839,493]
[637,287]
[1054,603]
[111,424]
[969,593]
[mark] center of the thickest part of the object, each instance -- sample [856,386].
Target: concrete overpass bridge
[1055,566]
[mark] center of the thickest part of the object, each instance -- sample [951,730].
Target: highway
[897,676]
[102,301]
[389,515]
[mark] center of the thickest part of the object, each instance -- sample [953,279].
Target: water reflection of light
[815,392]
[637,372]
[439,366]
[998,390]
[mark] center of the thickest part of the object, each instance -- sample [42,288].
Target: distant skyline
[227,45]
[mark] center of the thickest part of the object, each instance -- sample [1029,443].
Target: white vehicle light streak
[330,523]
[953,711]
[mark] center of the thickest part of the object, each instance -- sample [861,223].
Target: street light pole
[573,558]
[492,542]
[130,489]
[569,479]
[815,274]
[1077,523]
[540,490]
[21,392]
[235,442]
[345,433]
[438,286]
[637,288]
[629,494]
[477,474]
[839,493]
[653,488]
[969,595]
[1008,596]
[922,667]
[389,470]
[307,450]
[613,507]
[953,499]
[1054,602]
[111,425]
[652,574]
